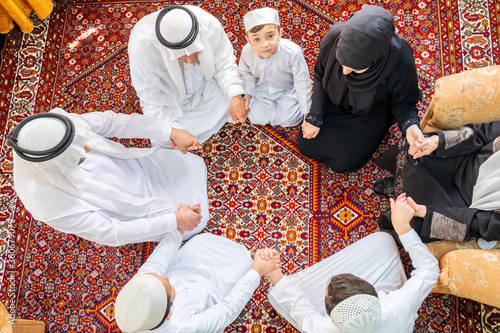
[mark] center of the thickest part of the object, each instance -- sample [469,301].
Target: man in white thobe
[275,74]
[201,287]
[300,298]
[102,191]
[183,68]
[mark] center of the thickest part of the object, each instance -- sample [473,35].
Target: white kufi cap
[141,304]
[261,16]
[358,314]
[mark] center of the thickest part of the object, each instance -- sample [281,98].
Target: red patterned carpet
[261,190]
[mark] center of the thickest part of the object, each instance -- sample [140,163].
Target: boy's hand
[237,109]
[401,214]
[309,131]
[183,140]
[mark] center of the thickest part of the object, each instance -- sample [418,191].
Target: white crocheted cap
[41,134]
[261,16]
[141,304]
[358,314]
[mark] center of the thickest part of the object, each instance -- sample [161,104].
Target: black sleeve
[460,224]
[466,140]
[320,97]
[403,89]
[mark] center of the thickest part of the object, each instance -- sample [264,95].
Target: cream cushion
[470,97]
[467,271]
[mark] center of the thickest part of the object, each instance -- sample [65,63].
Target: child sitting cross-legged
[276,78]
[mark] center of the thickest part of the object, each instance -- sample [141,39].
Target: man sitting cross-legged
[69,175]
[183,68]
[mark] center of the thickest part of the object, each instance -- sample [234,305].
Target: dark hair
[343,286]
[167,311]
[258,28]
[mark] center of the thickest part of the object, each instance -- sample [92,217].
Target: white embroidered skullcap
[141,304]
[177,29]
[358,314]
[261,16]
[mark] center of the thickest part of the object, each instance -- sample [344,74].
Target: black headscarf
[368,39]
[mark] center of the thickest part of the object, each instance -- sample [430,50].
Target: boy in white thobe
[102,191]
[300,298]
[201,287]
[183,69]
[275,74]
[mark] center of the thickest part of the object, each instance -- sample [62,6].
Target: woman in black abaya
[364,79]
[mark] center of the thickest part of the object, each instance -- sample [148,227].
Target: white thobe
[300,297]
[166,173]
[280,85]
[212,277]
[165,87]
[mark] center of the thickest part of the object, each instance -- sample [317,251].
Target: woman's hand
[427,146]
[420,210]
[309,131]
[414,134]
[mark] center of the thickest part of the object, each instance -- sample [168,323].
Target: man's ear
[247,39]
[169,314]
[281,32]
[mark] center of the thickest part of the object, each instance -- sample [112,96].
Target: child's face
[265,42]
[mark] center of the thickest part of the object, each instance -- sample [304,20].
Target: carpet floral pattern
[262,192]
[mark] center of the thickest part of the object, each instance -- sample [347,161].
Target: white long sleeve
[220,315]
[302,82]
[400,307]
[226,70]
[162,255]
[111,124]
[100,227]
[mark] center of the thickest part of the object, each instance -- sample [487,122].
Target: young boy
[275,74]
